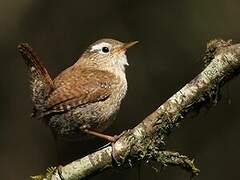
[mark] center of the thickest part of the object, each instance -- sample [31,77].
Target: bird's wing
[79,87]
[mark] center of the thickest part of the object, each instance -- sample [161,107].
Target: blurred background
[173,37]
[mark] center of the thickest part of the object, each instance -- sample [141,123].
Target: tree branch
[146,141]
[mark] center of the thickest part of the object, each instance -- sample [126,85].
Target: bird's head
[106,54]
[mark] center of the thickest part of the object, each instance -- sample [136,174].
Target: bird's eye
[105,49]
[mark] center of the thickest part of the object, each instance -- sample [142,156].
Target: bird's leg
[109,138]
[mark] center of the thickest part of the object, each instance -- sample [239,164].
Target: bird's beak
[125,46]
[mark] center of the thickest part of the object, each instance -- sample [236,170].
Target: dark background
[173,37]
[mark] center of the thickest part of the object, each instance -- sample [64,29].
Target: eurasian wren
[84,98]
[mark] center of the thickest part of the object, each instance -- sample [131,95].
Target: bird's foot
[111,139]
[114,139]
[116,157]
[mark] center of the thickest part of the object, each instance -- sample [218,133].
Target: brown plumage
[41,82]
[84,97]
[79,86]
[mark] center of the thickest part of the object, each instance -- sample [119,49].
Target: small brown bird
[84,98]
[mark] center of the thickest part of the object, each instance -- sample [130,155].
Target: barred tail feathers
[40,79]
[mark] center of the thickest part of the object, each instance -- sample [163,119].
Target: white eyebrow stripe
[99,46]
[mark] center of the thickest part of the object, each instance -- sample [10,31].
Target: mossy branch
[147,140]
